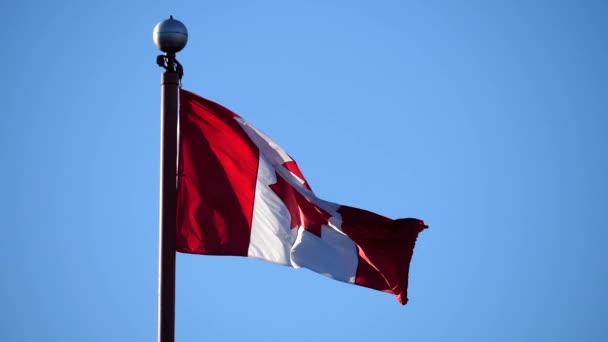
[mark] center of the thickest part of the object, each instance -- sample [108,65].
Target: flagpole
[170,36]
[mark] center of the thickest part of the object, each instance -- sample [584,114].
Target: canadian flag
[240,194]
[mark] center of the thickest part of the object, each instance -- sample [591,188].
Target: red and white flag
[240,194]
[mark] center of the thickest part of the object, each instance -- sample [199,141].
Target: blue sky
[487,119]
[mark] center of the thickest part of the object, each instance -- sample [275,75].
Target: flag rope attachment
[170,63]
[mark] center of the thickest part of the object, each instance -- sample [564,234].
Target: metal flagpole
[170,36]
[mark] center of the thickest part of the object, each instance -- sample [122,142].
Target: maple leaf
[293,168]
[303,212]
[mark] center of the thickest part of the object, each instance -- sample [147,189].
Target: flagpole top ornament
[170,35]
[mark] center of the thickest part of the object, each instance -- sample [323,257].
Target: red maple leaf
[303,212]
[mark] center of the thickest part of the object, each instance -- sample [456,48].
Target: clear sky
[487,119]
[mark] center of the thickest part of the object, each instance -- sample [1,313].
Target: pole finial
[170,35]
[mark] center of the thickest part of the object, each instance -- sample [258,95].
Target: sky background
[487,119]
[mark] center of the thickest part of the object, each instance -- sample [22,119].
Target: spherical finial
[170,35]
